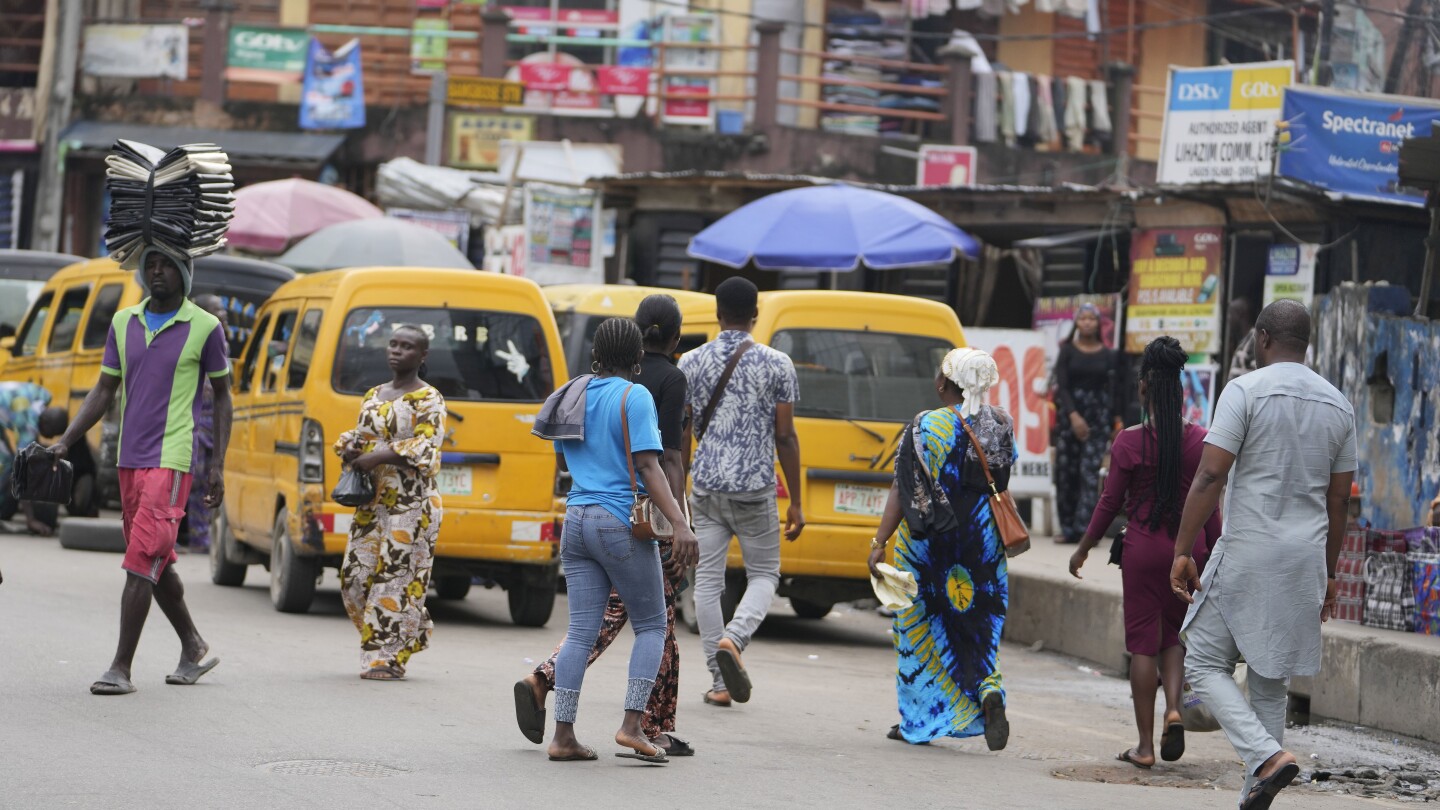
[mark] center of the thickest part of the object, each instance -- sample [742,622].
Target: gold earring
[594,366]
[637,370]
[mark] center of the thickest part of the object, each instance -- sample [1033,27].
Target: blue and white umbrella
[833,228]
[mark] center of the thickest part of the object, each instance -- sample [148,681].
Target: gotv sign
[1220,122]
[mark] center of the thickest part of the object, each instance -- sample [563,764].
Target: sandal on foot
[587,754]
[529,715]
[1263,794]
[1128,755]
[677,746]
[894,734]
[713,697]
[732,671]
[383,674]
[1172,742]
[997,726]
[657,758]
[189,672]
[109,685]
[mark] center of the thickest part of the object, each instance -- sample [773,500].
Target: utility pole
[60,98]
[1323,73]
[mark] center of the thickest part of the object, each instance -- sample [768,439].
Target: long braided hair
[1164,402]
[617,345]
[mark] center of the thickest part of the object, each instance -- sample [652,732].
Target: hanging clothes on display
[1005,83]
[1033,124]
[1092,17]
[1058,96]
[986,105]
[1075,92]
[1047,131]
[1021,84]
[1100,112]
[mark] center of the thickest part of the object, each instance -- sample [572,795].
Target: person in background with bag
[948,640]
[617,474]
[659,319]
[1286,439]
[386,569]
[162,351]
[1088,405]
[197,514]
[1152,465]
[23,411]
[742,402]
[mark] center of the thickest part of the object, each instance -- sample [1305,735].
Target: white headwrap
[973,372]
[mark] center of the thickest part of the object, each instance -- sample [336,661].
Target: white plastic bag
[1194,714]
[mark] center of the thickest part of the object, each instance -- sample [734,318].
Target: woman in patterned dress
[948,640]
[392,541]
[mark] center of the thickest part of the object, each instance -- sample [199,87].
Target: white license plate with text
[855,499]
[456,481]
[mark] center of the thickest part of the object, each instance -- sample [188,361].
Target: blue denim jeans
[600,553]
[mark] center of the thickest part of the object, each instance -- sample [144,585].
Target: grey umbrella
[373,243]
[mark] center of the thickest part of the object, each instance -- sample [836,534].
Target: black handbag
[38,478]
[354,489]
[1117,547]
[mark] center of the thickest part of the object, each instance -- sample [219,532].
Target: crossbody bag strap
[705,416]
[980,451]
[625,431]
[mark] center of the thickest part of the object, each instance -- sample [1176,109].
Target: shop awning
[245,147]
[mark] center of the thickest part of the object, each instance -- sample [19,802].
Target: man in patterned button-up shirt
[734,480]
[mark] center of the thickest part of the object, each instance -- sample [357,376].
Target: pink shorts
[152,503]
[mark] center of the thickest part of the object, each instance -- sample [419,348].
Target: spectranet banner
[1174,288]
[1220,122]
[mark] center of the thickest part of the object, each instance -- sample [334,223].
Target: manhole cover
[331,767]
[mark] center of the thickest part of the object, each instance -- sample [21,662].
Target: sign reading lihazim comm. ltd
[269,55]
[1220,122]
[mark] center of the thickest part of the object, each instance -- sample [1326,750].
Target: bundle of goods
[1350,576]
[177,202]
[1425,576]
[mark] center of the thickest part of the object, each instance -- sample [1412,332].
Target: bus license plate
[455,481]
[851,499]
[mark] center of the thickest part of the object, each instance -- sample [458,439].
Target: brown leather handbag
[1013,532]
[646,521]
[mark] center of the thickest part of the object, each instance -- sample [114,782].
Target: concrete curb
[1378,678]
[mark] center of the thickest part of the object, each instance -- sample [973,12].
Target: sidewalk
[1378,678]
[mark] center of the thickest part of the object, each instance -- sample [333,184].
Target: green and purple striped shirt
[161,377]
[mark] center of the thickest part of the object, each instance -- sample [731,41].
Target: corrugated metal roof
[756,178]
[243,146]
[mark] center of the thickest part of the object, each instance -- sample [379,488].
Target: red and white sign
[946,166]
[1020,356]
[622,81]
[698,107]
[593,17]
[545,76]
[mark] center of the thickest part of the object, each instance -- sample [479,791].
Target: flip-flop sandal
[529,716]
[677,747]
[1172,742]
[189,672]
[1125,756]
[658,758]
[894,734]
[1263,794]
[382,674]
[737,681]
[588,755]
[997,726]
[107,688]
[724,704]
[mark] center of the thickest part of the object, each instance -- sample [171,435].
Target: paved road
[287,693]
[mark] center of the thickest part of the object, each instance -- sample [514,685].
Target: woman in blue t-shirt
[598,549]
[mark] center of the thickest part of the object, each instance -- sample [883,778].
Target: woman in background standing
[1151,467]
[1088,407]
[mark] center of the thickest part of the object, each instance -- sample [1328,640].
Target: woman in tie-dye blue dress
[948,680]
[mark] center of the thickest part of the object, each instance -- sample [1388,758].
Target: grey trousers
[751,517]
[1255,728]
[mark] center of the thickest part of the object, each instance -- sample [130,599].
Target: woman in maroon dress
[1151,466]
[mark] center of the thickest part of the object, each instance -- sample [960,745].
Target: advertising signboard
[1350,143]
[1219,122]
[946,165]
[1174,288]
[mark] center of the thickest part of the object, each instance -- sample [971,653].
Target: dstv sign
[1219,122]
